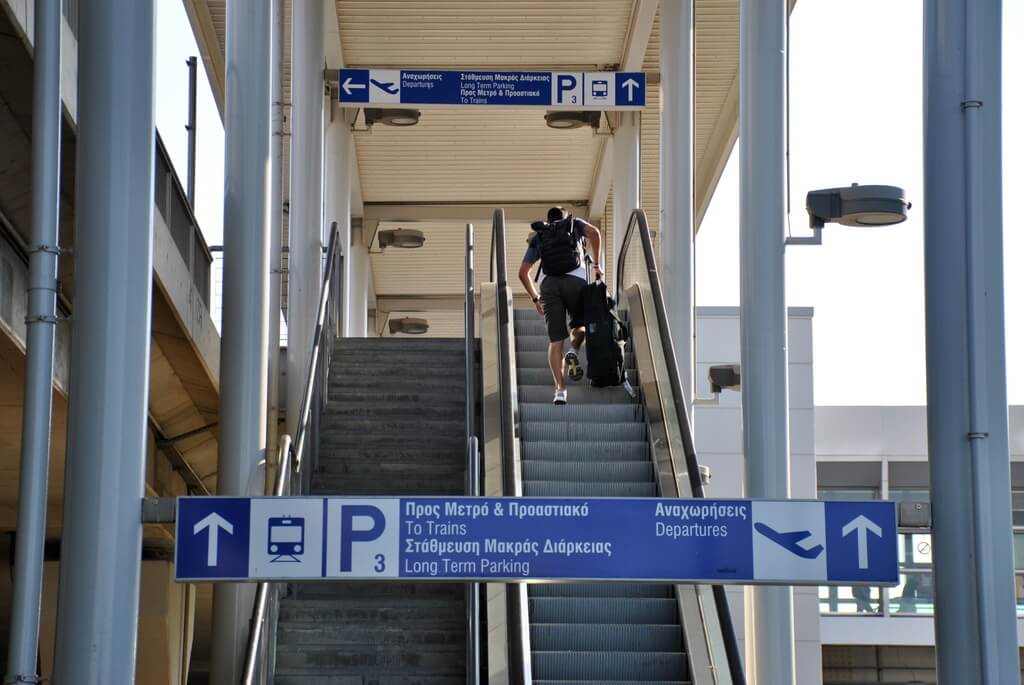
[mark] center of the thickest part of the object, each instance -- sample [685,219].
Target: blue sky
[866,285]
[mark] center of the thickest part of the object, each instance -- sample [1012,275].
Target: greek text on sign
[568,90]
[520,539]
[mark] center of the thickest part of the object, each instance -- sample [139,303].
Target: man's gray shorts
[562,295]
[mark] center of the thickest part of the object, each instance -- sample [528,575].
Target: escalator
[595,446]
[605,442]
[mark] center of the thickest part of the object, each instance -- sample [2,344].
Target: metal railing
[293,473]
[472,458]
[643,263]
[520,670]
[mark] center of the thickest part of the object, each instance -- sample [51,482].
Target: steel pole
[763,355]
[97,615]
[975,624]
[243,371]
[41,321]
[191,128]
[676,221]
[626,177]
[305,218]
[276,212]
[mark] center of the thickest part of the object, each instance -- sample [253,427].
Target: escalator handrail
[518,611]
[472,454]
[638,222]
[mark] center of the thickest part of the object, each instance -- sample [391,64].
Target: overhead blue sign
[596,90]
[791,542]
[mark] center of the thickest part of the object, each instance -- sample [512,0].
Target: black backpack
[559,246]
[606,337]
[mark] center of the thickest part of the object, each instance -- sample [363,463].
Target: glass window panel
[915,551]
[847,494]
[908,494]
[1020,594]
[1018,551]
[914,596]
[850,600]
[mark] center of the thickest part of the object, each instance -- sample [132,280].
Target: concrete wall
[719,441]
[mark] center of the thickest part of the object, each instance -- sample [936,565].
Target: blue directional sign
[793,542]
[597,90]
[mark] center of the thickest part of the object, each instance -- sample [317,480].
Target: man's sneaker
[561,395]
[572,361]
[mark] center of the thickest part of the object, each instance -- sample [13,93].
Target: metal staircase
[595,446]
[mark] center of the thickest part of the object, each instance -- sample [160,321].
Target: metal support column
[626,177]
[676,221]
[190,180]
[338,170]
[975,624]
[97,614]
[305,215]
[40,326]
[276,212]
[243,371]
[359,259]
[764,358]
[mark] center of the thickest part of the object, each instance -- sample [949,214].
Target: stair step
[603,637]
[538,359]
[384,397]
[626,431]
[369,610]
[326,484]
[405,453]
[574,450]
[606,665]
[584,471]
[332,439]
[296,635]
[579,393]
[384,591]
[546,488]
[453,470]
[614,610]
[314,678]
[598,413]
[448,660]
[384,424]
[542,376]
[601,590]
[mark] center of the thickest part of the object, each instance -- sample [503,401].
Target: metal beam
[97,615]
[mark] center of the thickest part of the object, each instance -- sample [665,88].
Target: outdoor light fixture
[854,205]
[567,120]
[408,325]
[391,117]
[400,237]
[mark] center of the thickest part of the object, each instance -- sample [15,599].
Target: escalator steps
[592,432]
[574,450]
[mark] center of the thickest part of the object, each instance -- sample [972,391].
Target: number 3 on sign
[379,566]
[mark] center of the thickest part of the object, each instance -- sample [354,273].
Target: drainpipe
[40,326]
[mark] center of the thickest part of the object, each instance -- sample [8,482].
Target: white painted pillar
[359,286]
[305,219]
[626,178]
[339,168]
[676,224]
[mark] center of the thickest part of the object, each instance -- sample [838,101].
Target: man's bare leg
[556,363]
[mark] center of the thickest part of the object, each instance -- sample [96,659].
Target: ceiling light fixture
[391,117]
[568,120]
[408,325]
[400,237]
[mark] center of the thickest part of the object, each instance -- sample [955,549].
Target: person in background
[560,245]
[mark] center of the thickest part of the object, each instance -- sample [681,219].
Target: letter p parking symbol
[350,534]
[568,89]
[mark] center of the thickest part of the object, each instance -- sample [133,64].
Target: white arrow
[630,85]
[214,523]
[348,86]
[862,524]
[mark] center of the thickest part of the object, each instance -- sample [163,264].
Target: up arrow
[214,523]
[630,85]
[862,524]
[348,86]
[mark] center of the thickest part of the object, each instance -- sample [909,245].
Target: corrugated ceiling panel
[466,155]
[471,33]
